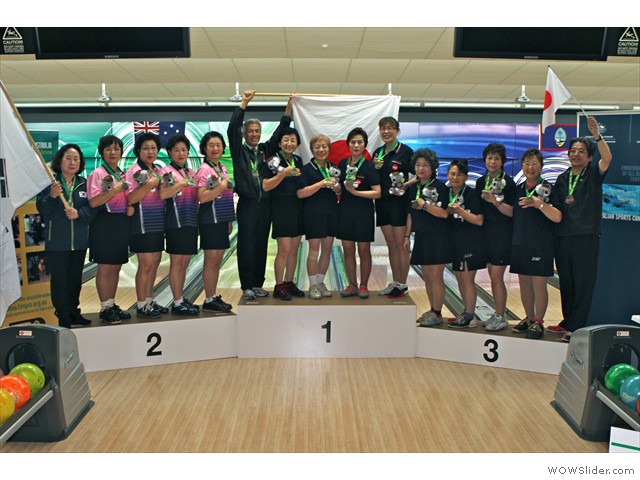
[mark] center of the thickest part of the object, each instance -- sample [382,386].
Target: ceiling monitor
[112,42]
[532,43]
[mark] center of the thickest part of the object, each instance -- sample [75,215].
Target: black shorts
[472,256]
[147,242]
[214,236]
[497,249]
[531,261]
[433,248]
[182,241]
[320,225]
[391,210]
[286,216]
[356,228]
[109,235]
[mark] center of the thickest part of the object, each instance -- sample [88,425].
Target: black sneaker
[282,292]
[185,309]
[522,326]
[399,290]
[293,290]
[122,314]
[216,305]
[535,331]
[78,320]
[110,316]
[465,320]
[147,311]
[197,307]
[159,308]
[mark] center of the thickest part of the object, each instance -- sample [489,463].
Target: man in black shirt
[254,210]
[578,234]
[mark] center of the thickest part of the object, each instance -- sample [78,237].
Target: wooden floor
[318,405]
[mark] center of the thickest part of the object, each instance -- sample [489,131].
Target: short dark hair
[208,136]
[57,158]
[143,137]
[107,141]
[288,131]
[389,120]
[175,139]
[532,152]
[591,146]
[461,163]
[430,156]
[495,148]
[358,131]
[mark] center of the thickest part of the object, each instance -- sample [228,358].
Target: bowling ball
[7,406]
[18,388]
[618,374]
[32,374]
[630,391]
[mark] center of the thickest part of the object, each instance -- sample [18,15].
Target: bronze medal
[569,200]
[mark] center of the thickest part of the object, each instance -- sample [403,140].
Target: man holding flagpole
[578,235]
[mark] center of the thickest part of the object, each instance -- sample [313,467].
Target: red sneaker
[557,329]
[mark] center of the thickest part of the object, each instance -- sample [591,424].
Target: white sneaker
[324,290]
[387,290]
[248,294]
[496,323]
[315,293]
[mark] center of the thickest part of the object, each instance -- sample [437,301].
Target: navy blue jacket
[63,234]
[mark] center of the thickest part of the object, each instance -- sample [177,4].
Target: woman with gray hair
[320,190]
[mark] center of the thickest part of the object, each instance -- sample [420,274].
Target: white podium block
[329,328]
[493,349]
[139,343]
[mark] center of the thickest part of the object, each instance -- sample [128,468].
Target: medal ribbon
[530,193]
[488,180]
[422,187]
[67,190]
[382,154]
[358,167]
[573,181]
[453,199]
[117,173]
[324,171]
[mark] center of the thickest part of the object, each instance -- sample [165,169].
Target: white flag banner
[556,93]
[335,117]
[22,176]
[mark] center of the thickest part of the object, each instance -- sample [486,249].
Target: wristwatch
[599,139]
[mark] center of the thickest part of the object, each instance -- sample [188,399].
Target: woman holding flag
[178,190]
[147,223]
[110,230]
[67,233]
[215,216]
[320,190]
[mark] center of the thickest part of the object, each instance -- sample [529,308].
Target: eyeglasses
[577,150]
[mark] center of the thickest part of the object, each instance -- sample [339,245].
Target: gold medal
[569,200]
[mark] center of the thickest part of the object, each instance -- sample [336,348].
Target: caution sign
[628,43]
[17,40]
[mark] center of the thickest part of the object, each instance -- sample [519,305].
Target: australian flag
[163,129]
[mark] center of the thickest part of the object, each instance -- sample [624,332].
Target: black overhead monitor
[112,42]
[553,43]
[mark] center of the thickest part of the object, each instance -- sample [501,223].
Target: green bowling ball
[32,374]
[618,374]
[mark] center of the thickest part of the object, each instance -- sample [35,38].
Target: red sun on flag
[340,150]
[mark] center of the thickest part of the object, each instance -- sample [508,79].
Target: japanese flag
[555,95]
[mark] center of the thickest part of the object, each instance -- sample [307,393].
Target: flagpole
[33,145]
[272,94]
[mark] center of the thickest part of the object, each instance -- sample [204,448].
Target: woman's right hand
[56,190]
